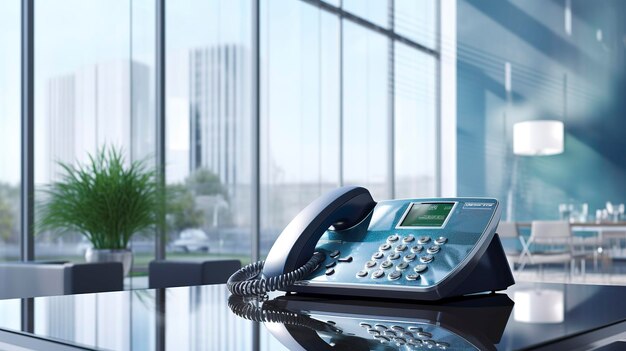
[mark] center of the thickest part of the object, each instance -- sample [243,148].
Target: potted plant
[106,201]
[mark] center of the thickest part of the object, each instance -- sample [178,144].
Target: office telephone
[310,323]
[344,243]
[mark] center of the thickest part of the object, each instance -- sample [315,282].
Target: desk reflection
[309,323]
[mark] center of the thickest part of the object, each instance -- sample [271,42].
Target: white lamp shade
[538,138]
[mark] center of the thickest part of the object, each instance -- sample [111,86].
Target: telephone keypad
[401,251]
[397,335]
[395,275]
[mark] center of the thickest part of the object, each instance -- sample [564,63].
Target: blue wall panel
[576,77]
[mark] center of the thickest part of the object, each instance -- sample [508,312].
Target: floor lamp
[534,138]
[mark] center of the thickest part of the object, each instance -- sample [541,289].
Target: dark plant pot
[125,256]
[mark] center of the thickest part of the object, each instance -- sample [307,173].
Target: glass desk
[527,316]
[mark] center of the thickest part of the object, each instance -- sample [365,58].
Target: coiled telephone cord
[268,312]
[246,281]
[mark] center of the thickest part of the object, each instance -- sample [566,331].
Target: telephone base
[491,273]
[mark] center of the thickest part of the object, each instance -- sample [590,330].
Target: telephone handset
[309,323]
[344,243]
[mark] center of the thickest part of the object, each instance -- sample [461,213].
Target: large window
[415,124]
[365,109]
[347,93]
[300,110]
[91,89]
[10,130]
[208,129]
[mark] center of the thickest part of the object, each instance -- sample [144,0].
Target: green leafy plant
[104,200]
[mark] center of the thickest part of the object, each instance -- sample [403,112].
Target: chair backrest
[507,230]
[546,231]
[32,279]
[167,273]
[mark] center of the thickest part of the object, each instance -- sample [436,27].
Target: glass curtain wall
[93,88]
[348,96]
[208,116]
[333,79]
[299,110]
[10,85]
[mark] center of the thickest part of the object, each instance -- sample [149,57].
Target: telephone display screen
[427,214]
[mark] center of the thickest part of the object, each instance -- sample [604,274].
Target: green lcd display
[427,214]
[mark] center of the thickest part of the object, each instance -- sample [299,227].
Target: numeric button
[395,275]
[412,277]
[409,238]
[385,247]
[417,248]
[401,247]
[370,264]
[420,268]
[393,238]
[441,240]
[410,257]
[402,266]
[386,264]
[378,255]
[427,258]
[423,239]
[361,274]
[378,274]
[394,256]
[433,249]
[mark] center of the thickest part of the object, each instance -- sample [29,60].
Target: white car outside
[192,239]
